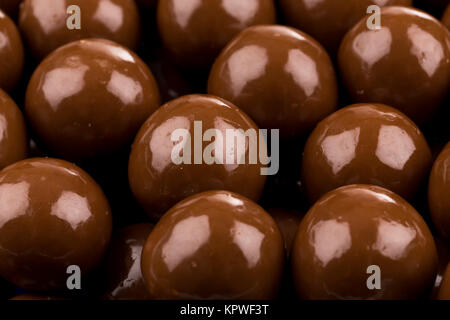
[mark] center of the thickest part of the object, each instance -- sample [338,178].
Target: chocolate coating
[13,133]
[446,17]
[89,98]
[158,183]
[366,144]
[10,7]
[444,290]
[123,264]
[11,54]
[329,20]
[357,226]
[52,215]
[44,23]
[438,189]
[280,76]
[214,245]
[405,64]
[194,32]
[287,221]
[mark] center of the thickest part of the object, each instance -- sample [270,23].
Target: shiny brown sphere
[13,132]
[366,144]
[444,290]
[11,54]
[446,17]
[165,167]
[405,64]
[89,98]
[280,76]
[287,221]
[52,215]
[44,23]
[214,245]
[123,264]
[356,228]
[10,7]
[195,31]
[438,190]
[329,20]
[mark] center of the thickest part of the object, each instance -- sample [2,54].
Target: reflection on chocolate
[368,144]
[123,264]
[328,20]
[405,64]
[214,245]
[44,23]
[444,290]
[158,182]
[353,228]
[52,215]
[446,17]
[288,222]
[280,76]
[89,98]
[11,54]
[13,134]
[194,31]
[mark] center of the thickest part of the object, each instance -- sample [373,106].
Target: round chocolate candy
[194,31]
[280,76]
[13,134]
[328,20]
[363,242]
[193,144]
[89,98]
[446,17]
[444,290]
[123,264]
[11,54]
[49,24]
[404,64]
[214,245]
[438,189]
[287,221]
[52,216]
[367,144]
[10,7]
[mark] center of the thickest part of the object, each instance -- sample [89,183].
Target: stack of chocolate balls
[109,109]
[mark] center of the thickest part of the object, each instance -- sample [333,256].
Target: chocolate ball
[280,76]
[11,54]
[444,290]
[328,21]
[404,64]
[214,245]
[173,155]
[123,264]
[446,17]
[52,216]
[45,23]
[438,189]
[363,242]
[13,133]
[366,144]
[10,7]
[287,221]
[195,31]
[89,98]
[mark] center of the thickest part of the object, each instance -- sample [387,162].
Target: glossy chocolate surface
[405,64]
[44,23]
[287,221]
[438,191]
[280,76]
[52,215]
[446,17]
[123,264]
[357,226]
[158,183]
[89,98]
[367,144]
[194,31]
[214,245]
[444,290]
[328,20]
[11,53]
[13,132]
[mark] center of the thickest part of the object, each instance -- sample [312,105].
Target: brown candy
[352,231]
[405,64]
[44,23]
[194,31]
[52,215]
[366,144]
[214,245]
[89,98]
[280,76]
[11,54]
